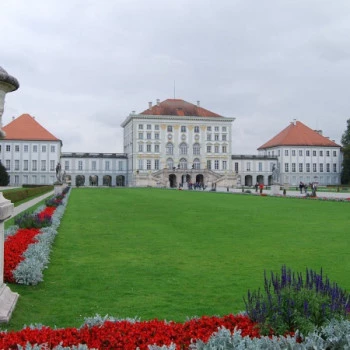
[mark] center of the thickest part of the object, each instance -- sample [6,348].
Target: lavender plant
[291,302]
[28,220]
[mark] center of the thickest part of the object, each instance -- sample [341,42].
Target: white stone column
[8,299]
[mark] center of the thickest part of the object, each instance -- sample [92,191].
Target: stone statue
[59,173]
[275,174]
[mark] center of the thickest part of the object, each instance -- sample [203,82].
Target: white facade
[154,143]
[30,162]
[307,164]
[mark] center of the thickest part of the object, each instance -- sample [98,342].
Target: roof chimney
[149,105]
[198,103]
[294,121]
[158,101]
[13,118]
[319,132]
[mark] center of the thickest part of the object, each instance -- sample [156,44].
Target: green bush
[24,193]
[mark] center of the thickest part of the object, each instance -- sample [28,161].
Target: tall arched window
[183,148]
[170,163]
[196,149]
[196,163]
[183,163]
[169,148]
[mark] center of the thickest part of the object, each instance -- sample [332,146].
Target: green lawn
[170,254]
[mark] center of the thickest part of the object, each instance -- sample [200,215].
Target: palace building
[171,144]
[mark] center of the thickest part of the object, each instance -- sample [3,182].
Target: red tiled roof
[26,128]
[298,134]
[180,108]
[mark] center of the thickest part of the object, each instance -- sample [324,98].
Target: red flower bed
[48,211]
[125,335]
[14,247]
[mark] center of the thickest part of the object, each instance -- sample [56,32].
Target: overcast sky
[84,65]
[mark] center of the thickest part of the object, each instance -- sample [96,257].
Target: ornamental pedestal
[8,299]
[275,189]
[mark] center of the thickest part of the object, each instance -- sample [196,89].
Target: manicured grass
[171,254]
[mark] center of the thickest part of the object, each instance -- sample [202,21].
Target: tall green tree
[345,140]
[4,176]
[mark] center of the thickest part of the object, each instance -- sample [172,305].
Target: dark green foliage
[28,220]
[345,140]
[19,195]
[291,302]
[4,176]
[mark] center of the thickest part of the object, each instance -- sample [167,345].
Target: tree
[345,140]
[4,176]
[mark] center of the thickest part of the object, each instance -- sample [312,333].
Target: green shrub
[24,193]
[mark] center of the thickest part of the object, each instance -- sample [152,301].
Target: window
[196,149]
[196,164]
[224,165]
[208,137]
[327,153]
[34,179]
[334,168]
[183,128]
[43,149]
[0,148]
[148,164]
[224,137]
[300,153]
[321,153]
[334,153]
[8,148]
[279,152]
[52,165]
[293,168]
[216,137]
[156,164]
[149,127]
[293,152]
[170,128]
[43,165]
[208,149]
[216,148]
[107,165]
[183,163]
[260,166]
[93,165]
[25,165]
[34,165]
[224,149]
[8,164]
[16,164]
[286,152]
[140,135]
[66,165]
[156,148]
[169,148]
[170,163]
[25,148]
[140,126]
[80,165]
[120,165]
[140,147]
[35,148]
[286,167]
[183,148]
[216,164]
[314,168]
[148,148]
[300,167]
[52,149]
[328,168]
[209,164]
[307,167]
[209,128]
[224,129]
[141,164]
[156,135]
[216,128]
[16,148]
[321,168]
[307,153]
[196,129]
[248,166]
[156,127]
[314,153]
[236,167]
[149,136]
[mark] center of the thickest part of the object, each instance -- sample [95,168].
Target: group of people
[304,186]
